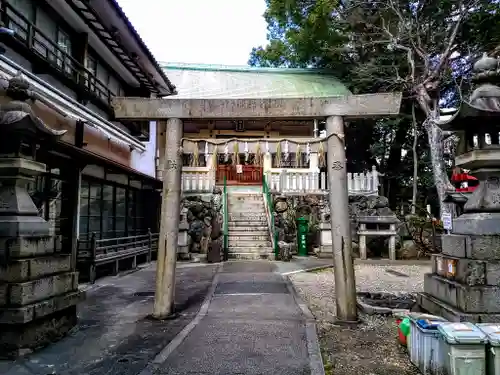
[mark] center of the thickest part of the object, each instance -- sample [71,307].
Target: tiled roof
[196,81]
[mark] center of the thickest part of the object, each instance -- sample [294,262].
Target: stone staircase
[248,229]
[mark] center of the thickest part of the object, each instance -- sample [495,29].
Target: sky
[199,31]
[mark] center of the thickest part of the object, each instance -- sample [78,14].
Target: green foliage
[366,44]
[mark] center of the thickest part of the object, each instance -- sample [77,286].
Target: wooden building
[79,55]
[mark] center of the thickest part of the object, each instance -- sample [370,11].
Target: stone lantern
[38,287]
[465,281]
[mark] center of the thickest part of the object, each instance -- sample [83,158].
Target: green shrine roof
[198,81]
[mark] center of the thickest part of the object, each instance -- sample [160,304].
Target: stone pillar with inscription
[38,290]
[169,221]
[465,281]
[345,288]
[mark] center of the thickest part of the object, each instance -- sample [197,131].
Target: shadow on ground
[115,334]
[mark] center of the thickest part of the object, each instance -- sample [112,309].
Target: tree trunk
[415,162]
[436,146]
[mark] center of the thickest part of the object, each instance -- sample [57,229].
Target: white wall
[145,162]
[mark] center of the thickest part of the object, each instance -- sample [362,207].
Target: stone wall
[205,220]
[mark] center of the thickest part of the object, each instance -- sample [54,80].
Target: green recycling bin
[302,230]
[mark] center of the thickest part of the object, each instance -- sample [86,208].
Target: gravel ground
[372,347]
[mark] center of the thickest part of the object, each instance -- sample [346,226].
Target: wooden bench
[94,253]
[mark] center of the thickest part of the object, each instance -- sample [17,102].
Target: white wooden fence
[202,179]
[197,179]
[306,181]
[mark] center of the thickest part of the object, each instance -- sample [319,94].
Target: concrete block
[27,313]
[40,289]
[19,270]
[472,246]
[464,271]
[14,339]
[454,245]
[452,314]
[24,247]
[483,247]
[469,299]
[477,223]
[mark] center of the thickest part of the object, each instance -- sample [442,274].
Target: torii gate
[334,109]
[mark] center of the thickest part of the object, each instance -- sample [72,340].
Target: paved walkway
[114,335]
[244,320]
[253,324]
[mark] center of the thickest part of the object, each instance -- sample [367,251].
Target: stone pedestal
[182,241]
[38,290]
[325,249]
[465,281]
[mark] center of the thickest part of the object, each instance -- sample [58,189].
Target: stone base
[18,339]
[470,299]
[436,307]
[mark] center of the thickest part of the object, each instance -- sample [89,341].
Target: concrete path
[252,323]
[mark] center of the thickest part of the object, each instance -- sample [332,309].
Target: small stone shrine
[465,281]
[38,287]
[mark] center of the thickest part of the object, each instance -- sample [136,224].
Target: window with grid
[63,60]
[108,211]
[42,43]
[91,66]
[26,8]
[121,212]
[90,209]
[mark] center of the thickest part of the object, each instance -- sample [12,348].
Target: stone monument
[38,287]
[465,281]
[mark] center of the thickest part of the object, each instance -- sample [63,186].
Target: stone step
[248,233]
[257,241]
[250,224]
[250,240]
[252,206]
[254,245]
[249,216]
[251,256]
[245,198]
[247,212]
[240,226]
[246,208]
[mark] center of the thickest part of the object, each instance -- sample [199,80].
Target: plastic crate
[462,349]
[492,332]
[424,352]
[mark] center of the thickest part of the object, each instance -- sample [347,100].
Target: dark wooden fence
[94,253]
